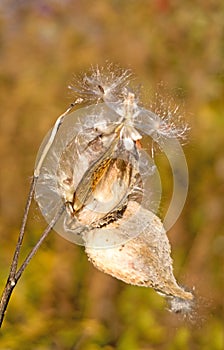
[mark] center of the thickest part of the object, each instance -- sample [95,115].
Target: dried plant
[97,185]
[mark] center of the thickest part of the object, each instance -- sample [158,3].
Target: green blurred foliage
[62,302]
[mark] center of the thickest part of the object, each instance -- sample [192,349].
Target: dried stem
[38,244]
[11,281]
[15,273]
[54,131]
[15,259]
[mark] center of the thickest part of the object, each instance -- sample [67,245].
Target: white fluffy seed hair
[107,83]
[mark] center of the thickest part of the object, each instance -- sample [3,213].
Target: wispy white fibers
[88,136]
[95,162]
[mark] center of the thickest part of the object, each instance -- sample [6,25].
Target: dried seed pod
[93,166]
[96,166]
[142,261]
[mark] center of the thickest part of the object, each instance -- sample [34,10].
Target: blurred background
[62,301]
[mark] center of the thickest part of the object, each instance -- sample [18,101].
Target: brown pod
[143,260]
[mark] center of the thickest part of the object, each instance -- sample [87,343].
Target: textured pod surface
[93,166]
[97,167]
[142,261]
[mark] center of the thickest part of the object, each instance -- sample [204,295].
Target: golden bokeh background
[61,301]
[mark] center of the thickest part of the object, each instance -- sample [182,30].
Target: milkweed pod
[143,261]
[90,168]
[93,163]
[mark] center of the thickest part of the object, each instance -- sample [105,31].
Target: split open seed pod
[99,170]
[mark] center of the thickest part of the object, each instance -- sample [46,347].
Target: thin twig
[15,259]
[10,284]
[12,280]
[15,273]
[38,244]
[54,131]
